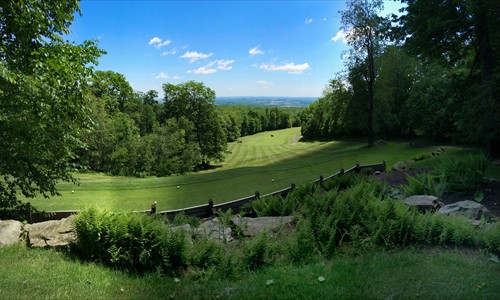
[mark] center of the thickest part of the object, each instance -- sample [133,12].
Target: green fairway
[264,162]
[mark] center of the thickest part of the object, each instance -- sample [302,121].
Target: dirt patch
[490,188]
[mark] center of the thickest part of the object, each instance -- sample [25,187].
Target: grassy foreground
[264,162]
[404,274]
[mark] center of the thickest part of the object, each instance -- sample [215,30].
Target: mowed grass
[264,162]
[403,274]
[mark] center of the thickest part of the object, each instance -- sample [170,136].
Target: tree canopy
[437,78]
[43,107]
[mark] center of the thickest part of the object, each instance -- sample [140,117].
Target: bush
[135,242]
[424,183]
[254,254]
[464,173]
[343,182]
[491,238]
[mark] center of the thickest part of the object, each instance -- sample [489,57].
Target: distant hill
[266,101]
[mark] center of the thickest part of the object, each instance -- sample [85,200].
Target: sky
[236,48]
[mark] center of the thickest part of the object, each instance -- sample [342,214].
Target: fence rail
[207,210]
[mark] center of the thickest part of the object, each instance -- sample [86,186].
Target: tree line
[134,134]
[431,72]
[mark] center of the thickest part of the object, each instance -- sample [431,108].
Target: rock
[395,193]
[468,208]
[55,233]
[489,180]
[213,229]
[377,172]
[253,226]
[424,202]
[10,232]
[399,166]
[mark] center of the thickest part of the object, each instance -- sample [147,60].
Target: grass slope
[405,274]
[251,166]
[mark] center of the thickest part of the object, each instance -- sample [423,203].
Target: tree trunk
[371,80]
[489,100]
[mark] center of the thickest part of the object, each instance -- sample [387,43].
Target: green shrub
[424,183]
[464,173]
[300,247]
[205,253]
[135,242]
[254,254]
[91,227]
[343,182]
[490,238]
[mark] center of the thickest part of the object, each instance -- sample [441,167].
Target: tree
[196,103]
[396,75]
[113,89]
[446,32]
[364,30]
[43,107]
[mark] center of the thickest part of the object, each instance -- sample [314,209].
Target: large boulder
[253,226]
[424,202]
[399,166]
[215,230]
[470,209]
[55,233]
[10,232]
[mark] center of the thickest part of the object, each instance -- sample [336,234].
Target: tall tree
[445,32]
[364,29]
[43,107]
[196,103]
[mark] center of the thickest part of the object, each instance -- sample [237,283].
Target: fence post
[292,186]
[257,195]
[153,208]
[341,172]
[384,167]
[357,168]
[210,207]
[321,178]
[28,206]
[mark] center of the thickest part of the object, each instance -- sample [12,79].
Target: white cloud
[255,51]
[203,70]
[170,52]
[309,21]
[224,65]
[194,56]
[340,35]
[154,40]
[158,43]
[176,77]
[213,67]
[162,76]
[290,68]
[263,82]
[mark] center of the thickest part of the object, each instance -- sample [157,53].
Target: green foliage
[43,107]
[491,238]
[343,182]
[301,247]
[271,206]
[327,117]
[254,253]
[424,183]
[196,103]
[464,173]
[134,242]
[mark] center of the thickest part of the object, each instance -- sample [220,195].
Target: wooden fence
[207,210]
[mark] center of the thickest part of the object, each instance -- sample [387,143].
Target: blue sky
[237,48]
